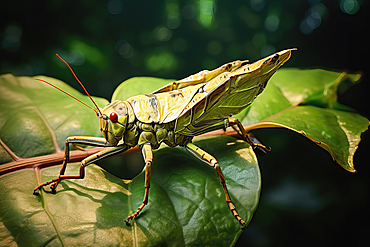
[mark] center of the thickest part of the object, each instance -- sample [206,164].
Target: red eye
[113,117]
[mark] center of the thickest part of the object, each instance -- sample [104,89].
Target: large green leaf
[36,119]
[305,101]
[186,203]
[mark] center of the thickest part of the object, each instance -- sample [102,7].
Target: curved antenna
[75,76]
[68,94]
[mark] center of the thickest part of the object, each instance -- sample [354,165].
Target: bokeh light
[257,5]
[124,49]
[115,7]
[313,18]
[80,50]
[162,33]
[206,12]
[350,6]
[12,38]
[272,23]
[173,14]
[118,39]
[160,59]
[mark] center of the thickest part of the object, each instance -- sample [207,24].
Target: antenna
[97,112]
[68,94]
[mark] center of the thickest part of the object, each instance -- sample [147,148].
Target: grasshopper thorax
[114,120]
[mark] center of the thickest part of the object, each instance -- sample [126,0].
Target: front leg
[148,158]
[93,141]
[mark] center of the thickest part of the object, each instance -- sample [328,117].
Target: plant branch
[75,156]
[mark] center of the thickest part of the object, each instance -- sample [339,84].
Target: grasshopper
[173,115]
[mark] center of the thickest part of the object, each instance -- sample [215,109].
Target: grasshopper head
[113,121]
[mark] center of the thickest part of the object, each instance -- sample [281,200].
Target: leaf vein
[46,209]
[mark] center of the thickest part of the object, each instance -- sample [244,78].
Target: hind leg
[238,127]
[210,160]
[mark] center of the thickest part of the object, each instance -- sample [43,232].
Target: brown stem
[76,156]
[51,159]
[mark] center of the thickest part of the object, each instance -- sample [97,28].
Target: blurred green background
[305,200]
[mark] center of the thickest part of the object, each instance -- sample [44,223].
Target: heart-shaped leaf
[186,205]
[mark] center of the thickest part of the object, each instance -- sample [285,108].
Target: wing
[167,103]
[201,77]
[226,95]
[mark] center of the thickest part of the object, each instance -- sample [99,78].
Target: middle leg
[148,158]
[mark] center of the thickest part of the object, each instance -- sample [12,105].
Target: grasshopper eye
[113,117]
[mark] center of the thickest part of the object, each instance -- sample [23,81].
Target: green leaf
[186,204]
[36,119]
[138,85]
[305,101]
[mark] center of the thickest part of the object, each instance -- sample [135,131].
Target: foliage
[186,204]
